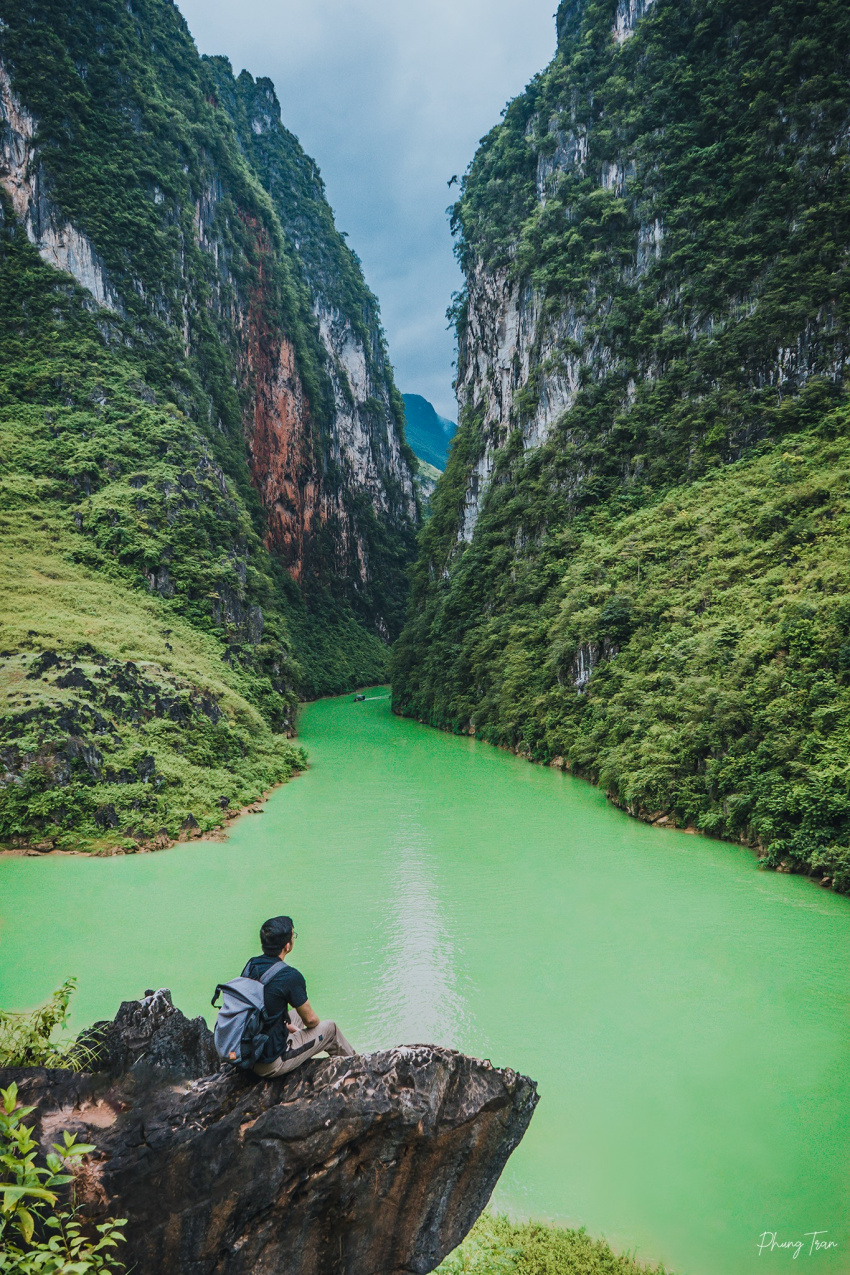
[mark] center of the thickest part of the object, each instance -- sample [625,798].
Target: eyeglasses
[294,936]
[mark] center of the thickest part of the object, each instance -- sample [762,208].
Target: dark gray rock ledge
[374,1165]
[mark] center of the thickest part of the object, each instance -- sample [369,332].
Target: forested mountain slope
[208,503]
[429,435]
[639,559]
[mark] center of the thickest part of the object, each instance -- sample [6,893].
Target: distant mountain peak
[428,433]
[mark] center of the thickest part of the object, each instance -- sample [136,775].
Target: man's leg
[337,1046]
[334,1041]
[304,1044]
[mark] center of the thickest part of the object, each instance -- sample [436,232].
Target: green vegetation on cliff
[691,233]
[716,621]
[153,646]
[655,590]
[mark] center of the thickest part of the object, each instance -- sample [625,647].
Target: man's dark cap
[275,934]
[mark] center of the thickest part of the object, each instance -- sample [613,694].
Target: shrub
[496,1246]
[25,1038]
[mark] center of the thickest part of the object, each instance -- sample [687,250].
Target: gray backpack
[241,1027]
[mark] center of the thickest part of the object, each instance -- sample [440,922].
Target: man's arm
[307,1014]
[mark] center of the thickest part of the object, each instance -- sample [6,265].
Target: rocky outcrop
[150,1034]
[375,1164]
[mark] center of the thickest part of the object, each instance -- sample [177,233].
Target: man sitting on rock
[289,1044]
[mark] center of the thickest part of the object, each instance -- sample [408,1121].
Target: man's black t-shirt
[285,989]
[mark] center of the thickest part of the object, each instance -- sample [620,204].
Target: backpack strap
[264,979]
[271,971]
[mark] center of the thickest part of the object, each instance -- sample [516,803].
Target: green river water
[685,1014]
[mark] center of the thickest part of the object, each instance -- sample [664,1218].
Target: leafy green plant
[36,1238]
[25,1038]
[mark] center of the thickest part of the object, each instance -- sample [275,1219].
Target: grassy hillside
[120,722]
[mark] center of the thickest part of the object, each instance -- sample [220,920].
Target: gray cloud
[390,97]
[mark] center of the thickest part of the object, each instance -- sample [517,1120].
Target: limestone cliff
[328,461]
[204,454]
[654,245]
[364,462]
[604,245]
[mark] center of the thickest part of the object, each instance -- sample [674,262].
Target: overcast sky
[390,97]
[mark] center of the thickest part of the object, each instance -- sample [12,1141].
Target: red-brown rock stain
[278,426]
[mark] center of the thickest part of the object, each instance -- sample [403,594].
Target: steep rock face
[377,1163]
[367,433]
[543,318]
[282,463]
[359,473]
[508,339]
[626,17]
[58,242]
[654,243]
[294,445]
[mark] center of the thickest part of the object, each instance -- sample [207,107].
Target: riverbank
[192,832]
[217,829]
[666,820]
[689,656]
[661,819]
